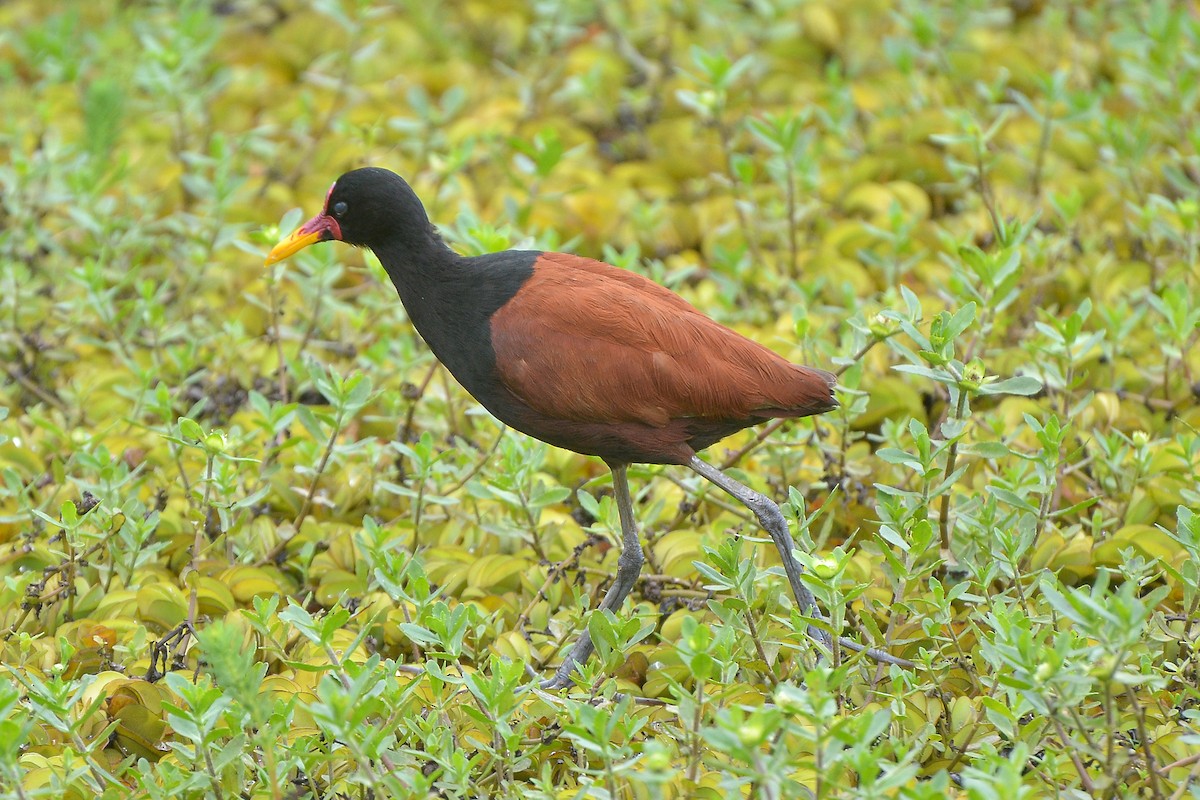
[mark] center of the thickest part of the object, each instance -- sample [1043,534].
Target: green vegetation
[985,215]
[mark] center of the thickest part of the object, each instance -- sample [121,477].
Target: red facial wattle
[321,228]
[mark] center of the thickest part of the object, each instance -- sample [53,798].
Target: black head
[373,205]
[368,207]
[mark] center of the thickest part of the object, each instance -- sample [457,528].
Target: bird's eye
[339,208]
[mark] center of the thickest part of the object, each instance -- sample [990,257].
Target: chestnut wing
[586,341]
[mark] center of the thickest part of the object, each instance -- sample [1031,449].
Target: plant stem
[726,137]
[198,543]
[1043,147]
[312,486]
[951,459]
[693,769]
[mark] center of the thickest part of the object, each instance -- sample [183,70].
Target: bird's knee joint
[767,510]
[631,560]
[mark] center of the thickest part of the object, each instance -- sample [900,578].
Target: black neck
[428,276]
[451,298]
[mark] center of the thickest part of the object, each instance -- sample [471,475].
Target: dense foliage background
[254,542]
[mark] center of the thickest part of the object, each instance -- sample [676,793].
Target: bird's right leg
[629,566]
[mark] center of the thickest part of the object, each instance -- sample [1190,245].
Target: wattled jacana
[579,354]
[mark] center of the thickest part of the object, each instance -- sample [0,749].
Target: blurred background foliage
[255,543]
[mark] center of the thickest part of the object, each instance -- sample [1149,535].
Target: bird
[582,355]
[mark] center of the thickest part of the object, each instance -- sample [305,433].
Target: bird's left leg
[629,566]
[773,522]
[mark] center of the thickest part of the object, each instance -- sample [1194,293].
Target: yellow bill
[321,228]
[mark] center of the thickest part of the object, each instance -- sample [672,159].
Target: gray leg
[629,566]
[771,518]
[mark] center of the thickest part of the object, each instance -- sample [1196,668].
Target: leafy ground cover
[255,543]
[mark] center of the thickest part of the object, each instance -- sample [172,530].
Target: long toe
[559,681]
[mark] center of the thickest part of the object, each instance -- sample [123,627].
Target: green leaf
[1020,385]
[992,450]
[589,503]
[190,429]
[602,628]
[420,635]
[69,514]
[939,375]
[718,582]
[310,423]
[961,320]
